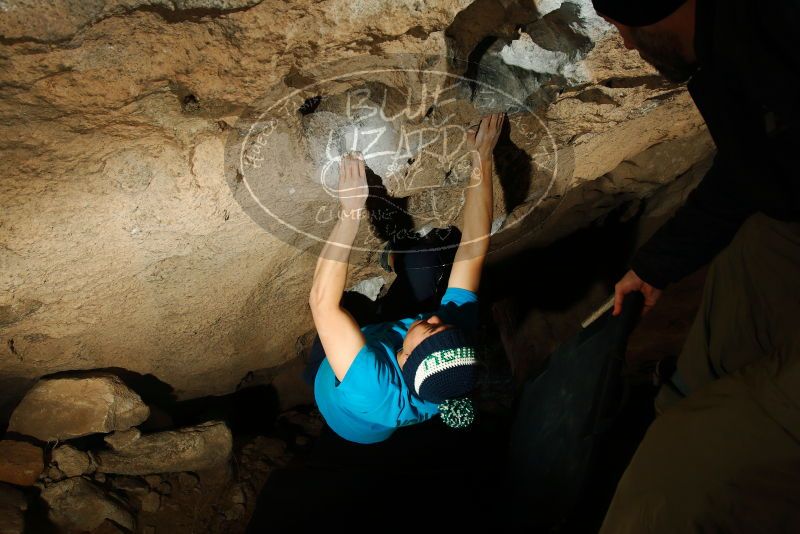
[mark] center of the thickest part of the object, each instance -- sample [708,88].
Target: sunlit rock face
[136,233]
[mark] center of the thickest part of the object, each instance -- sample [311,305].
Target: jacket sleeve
[702,227]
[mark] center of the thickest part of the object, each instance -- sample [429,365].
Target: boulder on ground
[198,448]
[20,463]
[71,461]
[77,504]
[64,408]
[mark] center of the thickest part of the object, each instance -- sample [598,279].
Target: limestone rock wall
[124,237]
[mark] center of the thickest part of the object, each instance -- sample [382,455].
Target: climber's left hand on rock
[353,189]
[483,138]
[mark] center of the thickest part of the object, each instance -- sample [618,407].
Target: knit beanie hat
[443,370]
[637,12]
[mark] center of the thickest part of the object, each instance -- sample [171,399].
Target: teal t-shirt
[373,399]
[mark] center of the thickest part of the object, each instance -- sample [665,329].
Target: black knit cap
[637,12]
[442,367]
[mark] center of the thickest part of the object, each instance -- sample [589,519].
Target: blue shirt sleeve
[459,307]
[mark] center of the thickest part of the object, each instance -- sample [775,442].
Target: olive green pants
[724,453]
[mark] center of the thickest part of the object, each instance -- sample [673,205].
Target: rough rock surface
[20,463]
[64,408]
[122,242]
[79,505]
[71,461]
[198,448]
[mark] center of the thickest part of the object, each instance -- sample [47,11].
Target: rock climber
[724,453]
[375,373]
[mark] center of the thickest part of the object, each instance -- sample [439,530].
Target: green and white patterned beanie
[443,369]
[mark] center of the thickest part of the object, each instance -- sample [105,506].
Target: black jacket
[748,90]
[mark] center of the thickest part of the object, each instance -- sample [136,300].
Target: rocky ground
[91,471]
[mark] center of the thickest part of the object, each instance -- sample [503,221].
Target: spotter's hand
[630,283]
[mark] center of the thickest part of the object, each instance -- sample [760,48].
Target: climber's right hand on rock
[353,189]
[630,283]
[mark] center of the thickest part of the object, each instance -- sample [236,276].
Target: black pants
[423,269]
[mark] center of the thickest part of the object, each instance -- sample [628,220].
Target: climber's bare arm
[339,333]
[468,263]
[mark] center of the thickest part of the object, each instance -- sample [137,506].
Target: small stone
[149,529]
[64,408]
[71,461]
[301,441]
[133,485]
[100,477]
[151,502]
[237,511]
[123,438]
[77,504]
[237,495]
[188,481]
[20,463]
[153,480]
[54,473]
[199,448]
[165,488]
